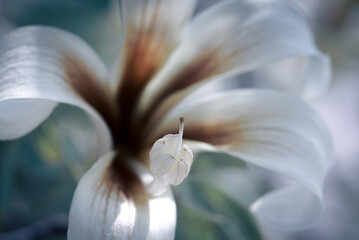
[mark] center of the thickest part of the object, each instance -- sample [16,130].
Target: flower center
[170,161]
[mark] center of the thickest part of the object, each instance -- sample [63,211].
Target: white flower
[164,57]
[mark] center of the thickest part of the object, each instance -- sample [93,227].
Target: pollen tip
[181,120]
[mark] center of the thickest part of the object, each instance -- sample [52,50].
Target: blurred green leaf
[43,167]
[7,168]
[95,21]
[205,212]
[212,160]
[241,184]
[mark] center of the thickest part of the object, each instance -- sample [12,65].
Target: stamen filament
[180,136]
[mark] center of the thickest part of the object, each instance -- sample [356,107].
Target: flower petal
[152,30]
[41,66]
[95,214]
[238,36]
[265,128]
[298,75]
[18,117]
[306,208]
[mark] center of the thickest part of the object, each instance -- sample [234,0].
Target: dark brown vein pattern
[152,31]
[209,63]
[90,89]
[120,179]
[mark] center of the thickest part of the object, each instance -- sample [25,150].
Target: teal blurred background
[39,172]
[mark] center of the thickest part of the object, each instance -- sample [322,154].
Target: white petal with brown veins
[152,29]
[269,129]
[238,36]
[43,66]
[98,214]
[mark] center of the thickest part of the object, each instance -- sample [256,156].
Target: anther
[170,161]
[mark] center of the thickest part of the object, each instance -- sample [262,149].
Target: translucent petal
[96,215]
[238,36]
[269,129]
[42,66]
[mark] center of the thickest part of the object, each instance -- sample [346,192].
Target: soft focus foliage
[39,173]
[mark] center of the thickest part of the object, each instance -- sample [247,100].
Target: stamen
[170,161]
[180,134]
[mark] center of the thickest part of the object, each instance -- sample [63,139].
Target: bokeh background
[39,172]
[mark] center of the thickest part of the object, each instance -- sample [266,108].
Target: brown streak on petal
[205,66]
[85,83]
[121,180]
[146,52]
[225,135]
[217,134]
[144,58]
